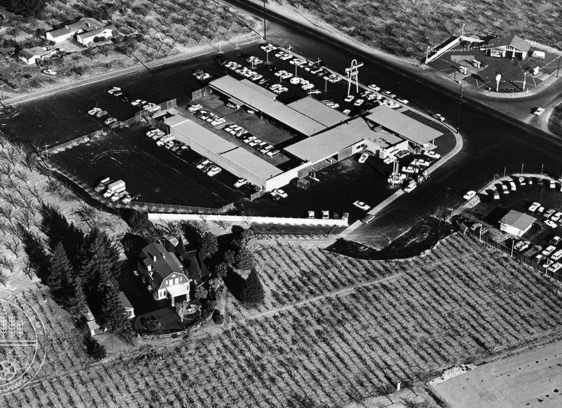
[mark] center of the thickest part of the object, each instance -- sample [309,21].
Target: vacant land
[530,379]
[333,330]
[407,27]
[143,31]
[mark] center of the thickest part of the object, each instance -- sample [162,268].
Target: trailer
[115,187]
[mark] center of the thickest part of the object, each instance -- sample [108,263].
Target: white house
[33,55]
[68,31]
[88,37]
[163,273]
[127,305]
[516,223]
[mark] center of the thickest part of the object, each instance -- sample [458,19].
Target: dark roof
[512,41]
[125,300]
[165,264]
[518,220]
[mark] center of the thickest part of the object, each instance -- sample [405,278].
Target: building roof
[178,290]
[84,24]
[166,262]
[512,41]
[258,88]
[403,125]
[317,111]
[94,33]
[267,105]
[252,163]
[518,220]
[30,52]
[125,300]
[190,133]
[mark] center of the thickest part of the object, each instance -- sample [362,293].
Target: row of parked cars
[551,216]
[167,141]
[549,257]
[207,167]
[240,133]
[103,114]
[244,71]
[114,190]
[147,106]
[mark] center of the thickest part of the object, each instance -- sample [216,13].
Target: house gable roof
[518,220]
[163,263]
[512,41]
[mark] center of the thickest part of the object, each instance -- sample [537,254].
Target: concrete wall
[247,219]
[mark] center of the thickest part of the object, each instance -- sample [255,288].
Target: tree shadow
[235,283]
[36,254]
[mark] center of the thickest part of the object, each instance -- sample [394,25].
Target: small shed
[516,223]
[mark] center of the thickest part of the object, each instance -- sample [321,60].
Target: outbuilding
[516,223]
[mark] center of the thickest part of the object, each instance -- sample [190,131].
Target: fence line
[248,219]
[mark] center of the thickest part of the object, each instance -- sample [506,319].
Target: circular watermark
[22,335]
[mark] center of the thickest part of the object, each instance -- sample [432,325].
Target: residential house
[93,326]
[68,31]
[516,223]
[89,37]
[33,55]
[511,46]
[163,273]
[127,305]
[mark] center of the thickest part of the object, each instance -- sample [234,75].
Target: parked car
[469,194]
[534,207]
[551,224]
[240,182]
[538,111]
[311,214]
[361,205]
[363,158]
[325,214]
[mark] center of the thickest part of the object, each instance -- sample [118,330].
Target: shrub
[218,318]
[94,348]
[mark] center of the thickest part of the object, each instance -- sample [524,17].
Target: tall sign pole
[353,75]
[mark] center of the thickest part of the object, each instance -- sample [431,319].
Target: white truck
[115,187]
[101,185]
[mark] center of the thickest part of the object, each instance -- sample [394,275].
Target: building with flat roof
[414,131]
[261,102]
[318,111]
[516,223]
[68,31]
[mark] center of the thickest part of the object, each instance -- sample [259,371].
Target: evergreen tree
[209,243]
[245,259]
[252,293]
[113,314]
[94,348]
[77,304]
[59,269]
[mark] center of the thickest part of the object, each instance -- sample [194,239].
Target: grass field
[333,330]
[407,27]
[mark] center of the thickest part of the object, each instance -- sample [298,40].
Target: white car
[361,205]
[349,98]
[534,207]
[325,214]
[469,194]
[551,224]
[281,193]
[404,101]
[439,117]
[374,87]
[363,158]
[49,71]
[538,111]
[311,214]
[358,102]
[346,112]
[240,182]
[214,171]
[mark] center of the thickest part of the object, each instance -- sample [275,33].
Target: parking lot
[541,200]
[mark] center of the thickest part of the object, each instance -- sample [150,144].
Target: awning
[177,290]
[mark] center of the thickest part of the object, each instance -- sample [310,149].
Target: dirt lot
[530,379]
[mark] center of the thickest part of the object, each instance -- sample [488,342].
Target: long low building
[403,125]
[345,140]
[225,154]
[306,116]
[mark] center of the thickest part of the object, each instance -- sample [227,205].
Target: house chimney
[153,258]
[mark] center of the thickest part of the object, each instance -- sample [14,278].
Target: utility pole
[264,23]
[521,168]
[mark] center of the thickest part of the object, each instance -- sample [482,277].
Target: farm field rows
[457,303]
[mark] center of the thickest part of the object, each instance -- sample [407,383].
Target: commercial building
[511,46]
[305,117]
[516,223]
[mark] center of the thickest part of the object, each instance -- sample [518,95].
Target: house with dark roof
[163,273]
[33,55]
[511,46]
[516,223]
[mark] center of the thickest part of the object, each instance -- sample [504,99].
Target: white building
[516,223]
[68,31]
[34,55]
[89,37]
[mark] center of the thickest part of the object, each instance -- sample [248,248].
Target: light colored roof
[86,24]
[317,111]
[518,220]
[30,52]
[271,107]
[403,125]
[512,41]
[333,140]
[252,163]
[258,88]
[190,133]
[177,290]
[94,33]
[125,300]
